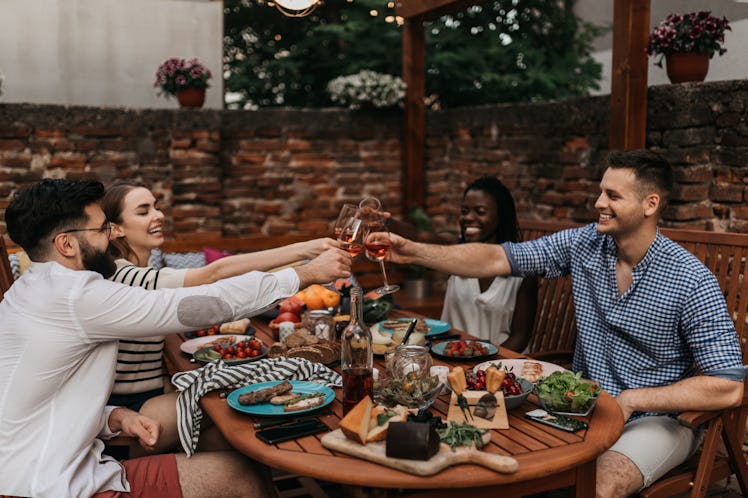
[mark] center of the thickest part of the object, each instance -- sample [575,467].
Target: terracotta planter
[689,66]
[191,97]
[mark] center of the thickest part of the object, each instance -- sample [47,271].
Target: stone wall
[288,170]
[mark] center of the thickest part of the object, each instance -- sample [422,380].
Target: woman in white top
[500,309]
[137,228]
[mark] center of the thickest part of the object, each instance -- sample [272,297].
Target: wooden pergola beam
[414,125]
[628,94]
[628,85]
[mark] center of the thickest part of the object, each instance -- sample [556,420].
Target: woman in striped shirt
[137,228]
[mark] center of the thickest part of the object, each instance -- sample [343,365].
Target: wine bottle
[356,355]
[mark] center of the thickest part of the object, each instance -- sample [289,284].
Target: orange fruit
[330,298]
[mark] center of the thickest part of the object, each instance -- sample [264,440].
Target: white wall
[733,65]
[104,52]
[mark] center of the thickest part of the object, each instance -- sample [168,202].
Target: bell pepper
[494,378]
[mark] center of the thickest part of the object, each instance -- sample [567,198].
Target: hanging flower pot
[191,97]
[687,66]
[687,42]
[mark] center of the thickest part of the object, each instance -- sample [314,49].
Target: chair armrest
[696,418]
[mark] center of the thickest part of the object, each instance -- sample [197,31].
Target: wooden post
[628,91]
[414,125]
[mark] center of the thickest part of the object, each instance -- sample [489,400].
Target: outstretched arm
[257,261]
[702,392]
[465,260]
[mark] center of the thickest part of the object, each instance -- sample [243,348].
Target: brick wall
[287,170]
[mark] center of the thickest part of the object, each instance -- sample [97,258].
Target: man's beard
[99,261]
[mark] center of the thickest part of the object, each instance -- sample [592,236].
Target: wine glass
[347,211]
[378,250]
[351,237]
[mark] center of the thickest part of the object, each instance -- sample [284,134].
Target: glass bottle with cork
[356,355]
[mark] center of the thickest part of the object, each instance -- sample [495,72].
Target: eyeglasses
[106,228]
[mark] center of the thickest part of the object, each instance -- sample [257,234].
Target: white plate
[193,345]
[516,366]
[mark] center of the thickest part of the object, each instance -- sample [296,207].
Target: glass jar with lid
[320,323]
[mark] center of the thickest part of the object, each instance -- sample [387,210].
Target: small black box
[412,440]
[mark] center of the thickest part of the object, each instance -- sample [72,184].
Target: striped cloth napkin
[218,375]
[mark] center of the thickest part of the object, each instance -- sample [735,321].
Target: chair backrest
[726,255]
[6,273]
[555,326]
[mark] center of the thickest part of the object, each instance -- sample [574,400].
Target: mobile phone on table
[562,422]
[292,431]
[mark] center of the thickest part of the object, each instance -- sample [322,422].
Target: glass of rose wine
[351,237]
[377,249]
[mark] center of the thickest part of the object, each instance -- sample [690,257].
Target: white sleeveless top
[486,315]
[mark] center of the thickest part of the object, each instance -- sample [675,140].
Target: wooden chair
[6,274]
[554,330]
[726,255]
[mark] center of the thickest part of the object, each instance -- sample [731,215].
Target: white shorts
[656,444]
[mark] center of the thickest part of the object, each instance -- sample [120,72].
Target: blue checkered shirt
[671,323]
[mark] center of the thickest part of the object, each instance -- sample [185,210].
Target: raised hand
[315,247]
[328,266]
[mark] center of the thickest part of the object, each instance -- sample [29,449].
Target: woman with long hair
[137,229]
[499,309]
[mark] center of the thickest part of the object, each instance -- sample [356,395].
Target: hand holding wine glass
[377,248]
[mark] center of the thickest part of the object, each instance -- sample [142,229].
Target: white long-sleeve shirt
[58,348]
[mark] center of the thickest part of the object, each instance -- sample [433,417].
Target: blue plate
[436,327]
[299,386]
[439,348]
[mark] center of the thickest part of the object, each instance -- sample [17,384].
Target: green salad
[566,391]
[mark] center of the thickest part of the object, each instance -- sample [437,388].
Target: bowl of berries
[515,389]
[233,353]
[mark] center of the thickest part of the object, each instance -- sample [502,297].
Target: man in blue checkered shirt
[653,327]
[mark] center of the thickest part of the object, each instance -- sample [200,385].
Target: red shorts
[149,477]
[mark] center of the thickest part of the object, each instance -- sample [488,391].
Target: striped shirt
[671,323]
[139,361]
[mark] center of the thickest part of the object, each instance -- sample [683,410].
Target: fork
[458,382]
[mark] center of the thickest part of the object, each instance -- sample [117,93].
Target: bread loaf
[237,327]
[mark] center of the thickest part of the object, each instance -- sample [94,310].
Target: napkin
[218,375]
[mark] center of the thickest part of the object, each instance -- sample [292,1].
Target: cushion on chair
[184,259]
[214,254]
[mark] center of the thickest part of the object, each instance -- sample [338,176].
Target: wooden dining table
[548,458]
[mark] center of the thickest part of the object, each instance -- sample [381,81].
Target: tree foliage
[498,51]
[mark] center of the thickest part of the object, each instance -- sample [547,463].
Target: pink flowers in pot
[692,32]
[175,74]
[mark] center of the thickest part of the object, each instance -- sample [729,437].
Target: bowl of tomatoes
[235,353]
[515,389]
[464,349]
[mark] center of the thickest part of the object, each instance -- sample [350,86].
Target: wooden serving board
[500,419]
[445,457]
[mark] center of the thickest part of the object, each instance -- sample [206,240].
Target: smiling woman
[499,309]
[137,228]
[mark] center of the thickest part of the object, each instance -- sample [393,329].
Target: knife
[272,422]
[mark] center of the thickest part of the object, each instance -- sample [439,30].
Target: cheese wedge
[379,432]
[355,425]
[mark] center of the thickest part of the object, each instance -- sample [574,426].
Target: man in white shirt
[58,346]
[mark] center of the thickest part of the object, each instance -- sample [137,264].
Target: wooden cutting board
[445,457]
[500,419]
